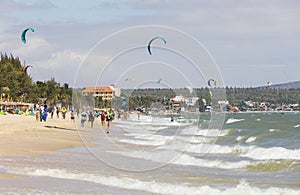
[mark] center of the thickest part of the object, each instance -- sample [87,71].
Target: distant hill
[289,85]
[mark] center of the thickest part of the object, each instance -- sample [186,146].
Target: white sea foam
[254,152]
[148,139]
[144,142]
[154,121]
[239,138]
[141,127]
[195,144]
[194,130]
[198,145]
[250,139]
[150,136]
[189,160]
[216,149]
[275,153]
[225,132]
[296,126]
[196,139]
[156,140]
[233,120]
[157,187]
[183,159]
[274,130]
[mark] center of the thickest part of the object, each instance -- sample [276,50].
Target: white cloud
[35,48]
[62,66]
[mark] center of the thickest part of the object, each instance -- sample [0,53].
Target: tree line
[19,86]
[234,95]
[16,85]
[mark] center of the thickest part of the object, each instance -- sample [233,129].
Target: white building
[188,100]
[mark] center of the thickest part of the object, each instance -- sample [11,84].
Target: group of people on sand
[41,112]
[105,116]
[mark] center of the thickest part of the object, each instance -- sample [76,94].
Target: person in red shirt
[103,118]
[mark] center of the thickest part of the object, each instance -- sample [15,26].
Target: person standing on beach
[103,118]
[84,116]
[109,118]
[41,108]
[37,113]
[52,111]
[63,112]
[72,116]
[91,118]
[57,112]
[45,113]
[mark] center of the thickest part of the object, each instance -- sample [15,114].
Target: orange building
[106,93]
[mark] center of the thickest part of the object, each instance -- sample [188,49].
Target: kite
[25,68]
[269,84]
[149,44]
[24,33]
[159,80]
[211,80]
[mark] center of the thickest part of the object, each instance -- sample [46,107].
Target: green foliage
[274,96]
[19,86]
[235,96]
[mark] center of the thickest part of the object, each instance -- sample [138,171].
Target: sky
[250,42]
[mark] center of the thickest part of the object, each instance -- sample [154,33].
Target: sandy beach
[24,136]
[48,157]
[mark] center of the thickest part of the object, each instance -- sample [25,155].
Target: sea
[230,153]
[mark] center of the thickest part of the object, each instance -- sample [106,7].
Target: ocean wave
[153,121]
[144,142]
[253,152]
[151,136]
[155,186]
[259,153]
[239,138]
[250,139]
[272,165]
[233,120]
[204,145]
[159,140]
[180,158]
[123,124]
[195,131]
[141,127]
[274,130]
[216,149]
[185,159]
[196,139]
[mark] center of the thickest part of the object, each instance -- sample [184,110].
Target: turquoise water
[253,153]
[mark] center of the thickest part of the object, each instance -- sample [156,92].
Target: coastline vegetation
[16,85]
[19,86]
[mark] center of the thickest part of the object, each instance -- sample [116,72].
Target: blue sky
[252,42]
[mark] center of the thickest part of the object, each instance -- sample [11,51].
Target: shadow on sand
[62,128]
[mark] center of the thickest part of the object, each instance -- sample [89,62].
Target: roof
[174,101]
[97,89]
